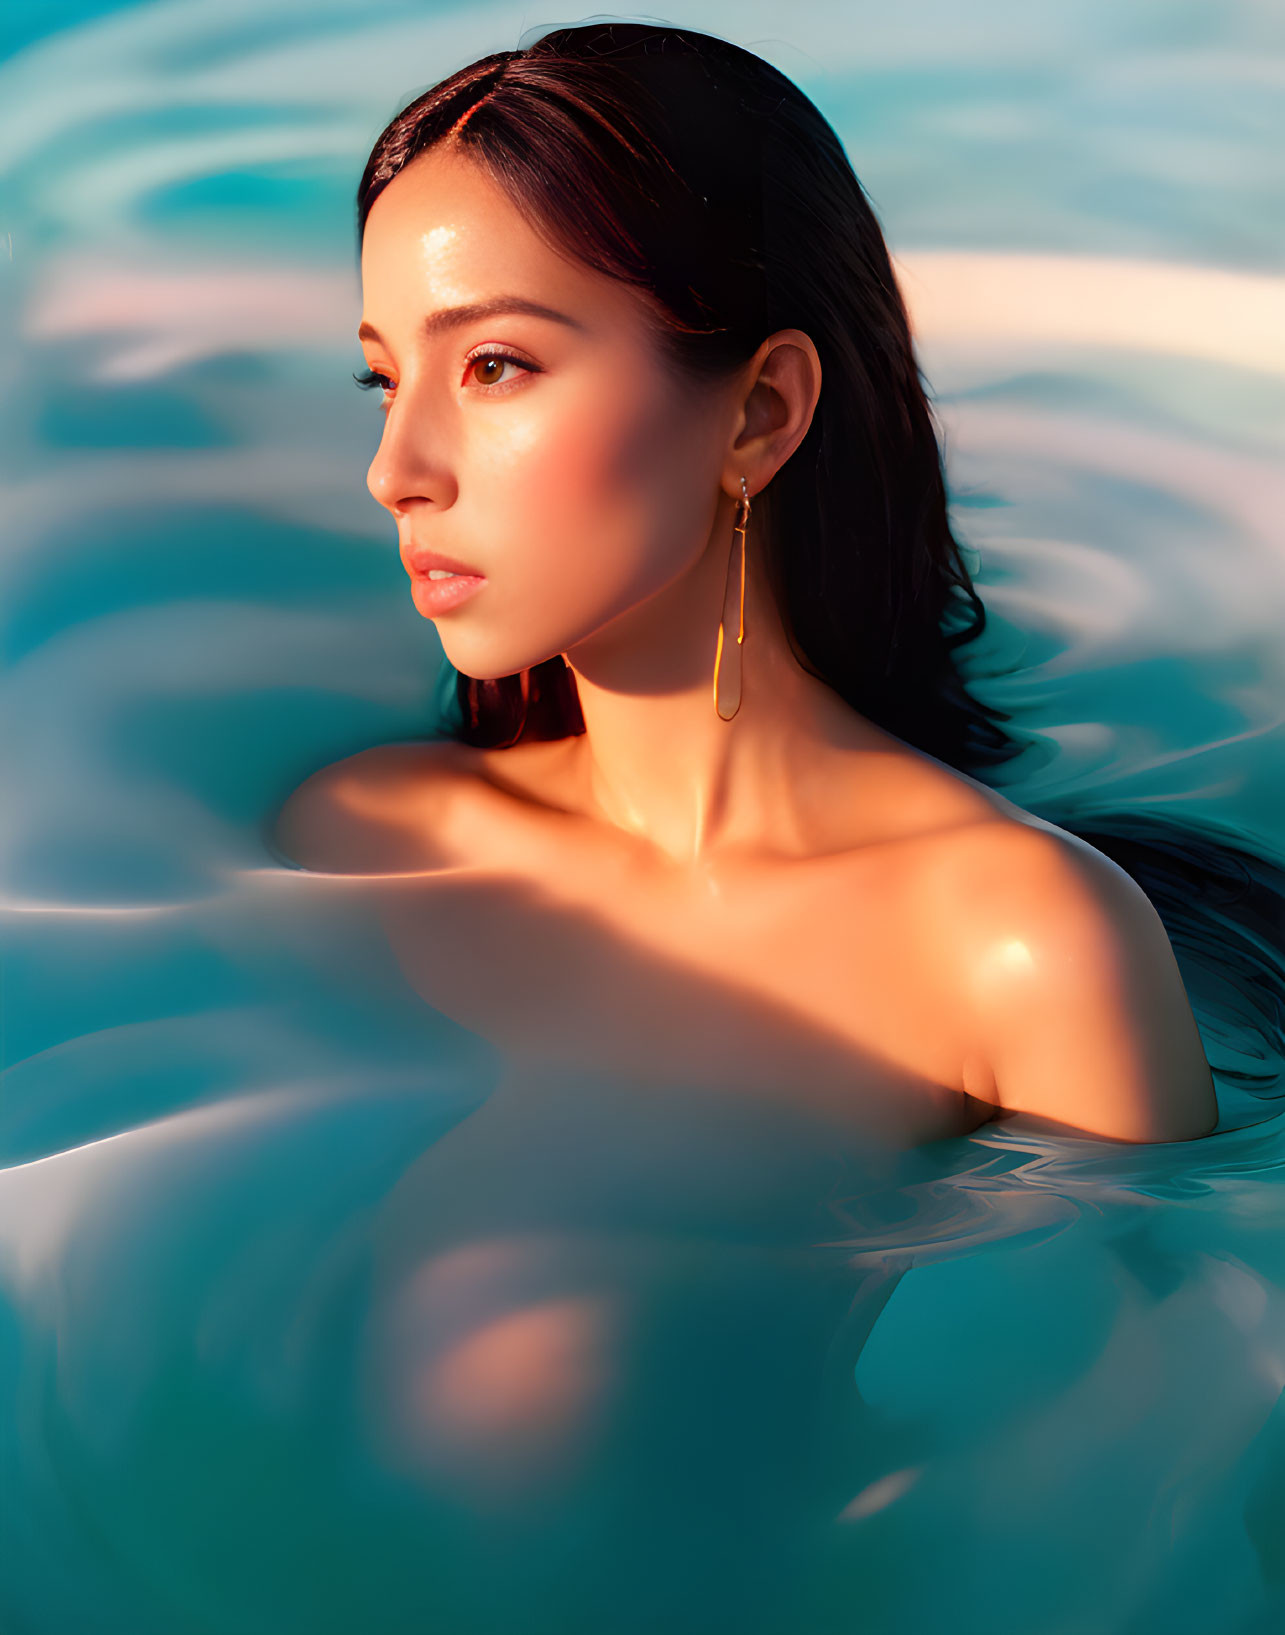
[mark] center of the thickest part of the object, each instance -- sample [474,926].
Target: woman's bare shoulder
[1078,1007]
[369,812]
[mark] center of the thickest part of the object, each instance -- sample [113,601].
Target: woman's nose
[412,461]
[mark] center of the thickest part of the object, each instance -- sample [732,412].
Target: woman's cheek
[572,517]
[587,502]
[568,466]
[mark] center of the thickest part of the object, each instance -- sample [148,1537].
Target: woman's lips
[440,583]
[425,562]
[437,590]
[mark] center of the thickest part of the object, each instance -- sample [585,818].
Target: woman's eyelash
[370,378]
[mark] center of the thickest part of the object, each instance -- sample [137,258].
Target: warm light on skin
[597,494]
[994,967]
[1014,955]
[1001,969]
[437,242]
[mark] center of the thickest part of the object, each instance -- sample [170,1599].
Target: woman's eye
[490,359]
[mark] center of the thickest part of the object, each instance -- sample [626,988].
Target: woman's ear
[781,387]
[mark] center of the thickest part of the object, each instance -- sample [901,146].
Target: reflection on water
[316,1317]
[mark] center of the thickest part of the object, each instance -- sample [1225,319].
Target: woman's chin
[489,667]
[482,660]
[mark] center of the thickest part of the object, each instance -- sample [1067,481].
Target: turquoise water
[230,1129]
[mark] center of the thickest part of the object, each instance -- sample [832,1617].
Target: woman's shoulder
[372,811]
[1074,995]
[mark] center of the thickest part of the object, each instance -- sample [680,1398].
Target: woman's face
[550,455]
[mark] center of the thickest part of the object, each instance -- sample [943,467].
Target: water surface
[1008,1383]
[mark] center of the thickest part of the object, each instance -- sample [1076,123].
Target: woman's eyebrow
[453,317]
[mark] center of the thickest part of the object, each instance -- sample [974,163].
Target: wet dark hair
[698,174]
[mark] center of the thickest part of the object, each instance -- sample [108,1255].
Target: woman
[645,375]
[700,854]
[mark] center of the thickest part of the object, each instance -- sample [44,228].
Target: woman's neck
[658,761]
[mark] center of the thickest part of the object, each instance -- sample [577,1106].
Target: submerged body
[585,1288]
[590,1289]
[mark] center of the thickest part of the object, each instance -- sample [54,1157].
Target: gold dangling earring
[727,681]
